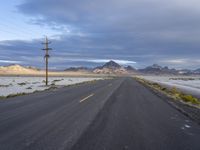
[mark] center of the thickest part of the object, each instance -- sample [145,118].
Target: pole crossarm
[47,49]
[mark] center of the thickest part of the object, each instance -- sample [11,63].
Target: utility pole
[46,49]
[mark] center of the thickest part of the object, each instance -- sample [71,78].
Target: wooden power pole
[46,49]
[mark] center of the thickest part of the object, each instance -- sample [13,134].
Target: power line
[46,49]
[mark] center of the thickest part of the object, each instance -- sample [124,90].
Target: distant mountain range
[197,71]
[110,67]
[156,69]
[76,69]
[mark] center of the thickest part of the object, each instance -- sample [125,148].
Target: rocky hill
[77,69]
[159,70]
[156,69]
[197,71]
[112,67]
[17,69]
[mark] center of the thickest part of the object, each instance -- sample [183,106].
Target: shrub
[23,83]
[28,88]
[189,98]
[163,89]
[14,95]
[174,90]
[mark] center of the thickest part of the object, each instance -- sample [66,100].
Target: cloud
[10,62]
[181,63]
[122,62]
[116,15]
[142,31]
[176,61]
[141,21]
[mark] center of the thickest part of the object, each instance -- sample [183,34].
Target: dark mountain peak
[166,68]
[130,68]
[156,66]
[111,64]
[77,69]
[157,69]
[197,71]
[112,67]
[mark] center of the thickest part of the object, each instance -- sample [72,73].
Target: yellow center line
[86,98]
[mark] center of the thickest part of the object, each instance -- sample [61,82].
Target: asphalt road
[118,114]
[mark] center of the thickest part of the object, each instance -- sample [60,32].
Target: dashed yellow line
[86,98]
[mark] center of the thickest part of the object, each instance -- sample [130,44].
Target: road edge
[187,110]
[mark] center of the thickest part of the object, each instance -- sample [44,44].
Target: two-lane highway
[51,120]
[136,119]
[113,114]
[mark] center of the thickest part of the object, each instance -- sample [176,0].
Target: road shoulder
[188,110]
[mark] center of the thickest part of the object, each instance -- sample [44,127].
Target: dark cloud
[144,31]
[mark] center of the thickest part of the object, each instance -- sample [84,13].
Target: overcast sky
[91,32]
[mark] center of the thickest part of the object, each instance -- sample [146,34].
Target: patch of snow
[15,85]
[187,126]
[186,84]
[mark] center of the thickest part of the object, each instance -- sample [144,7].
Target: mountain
[130,69]
[112,67]
[159,70]
[17,69]
[76,69]
[156,69]
[185,72]
[197,71]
